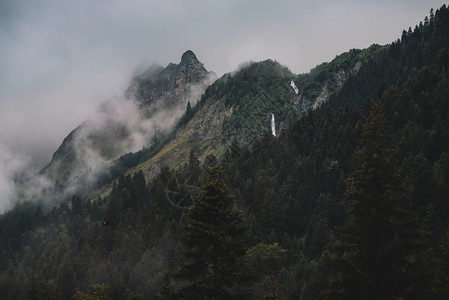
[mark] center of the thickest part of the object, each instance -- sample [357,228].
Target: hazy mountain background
[60,61]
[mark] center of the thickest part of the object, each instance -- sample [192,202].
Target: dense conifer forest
[349,202]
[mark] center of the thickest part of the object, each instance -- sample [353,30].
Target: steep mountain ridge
[202,134]
[326,78]
[152,105]
[239,107]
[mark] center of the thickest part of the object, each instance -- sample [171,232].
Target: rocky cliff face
[326,87]
[337,81]
[202,133]
[172,85]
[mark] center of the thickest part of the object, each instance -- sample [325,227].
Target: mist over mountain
[149,109]
[155,101]
[261,183]
[60,62]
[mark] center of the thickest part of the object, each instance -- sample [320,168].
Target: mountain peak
[189,58]
[171,83]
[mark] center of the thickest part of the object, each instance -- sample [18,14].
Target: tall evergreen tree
[194,168]
[213,245]
[376,247]
[441,273]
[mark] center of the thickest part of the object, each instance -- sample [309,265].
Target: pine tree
[441,273]
[375,252]
[194,166]
[213,243]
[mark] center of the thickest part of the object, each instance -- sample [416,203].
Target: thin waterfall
[273,126]
[293,85]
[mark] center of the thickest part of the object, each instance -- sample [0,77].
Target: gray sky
[60,59]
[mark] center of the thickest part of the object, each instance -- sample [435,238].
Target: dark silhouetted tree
[214,239]
[376,248]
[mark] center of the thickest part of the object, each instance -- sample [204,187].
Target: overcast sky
[60,59]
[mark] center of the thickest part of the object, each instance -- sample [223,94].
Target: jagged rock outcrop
[174,84]
[303,103]
[66,145]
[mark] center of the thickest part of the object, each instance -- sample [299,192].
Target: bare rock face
[202,132]
[337,81]
[303,103]
[172,85]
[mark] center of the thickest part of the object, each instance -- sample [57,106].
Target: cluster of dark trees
[350,202]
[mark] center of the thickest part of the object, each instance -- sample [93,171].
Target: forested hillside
[350,201]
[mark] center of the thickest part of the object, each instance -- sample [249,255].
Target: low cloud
[119,126]
[10,163]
